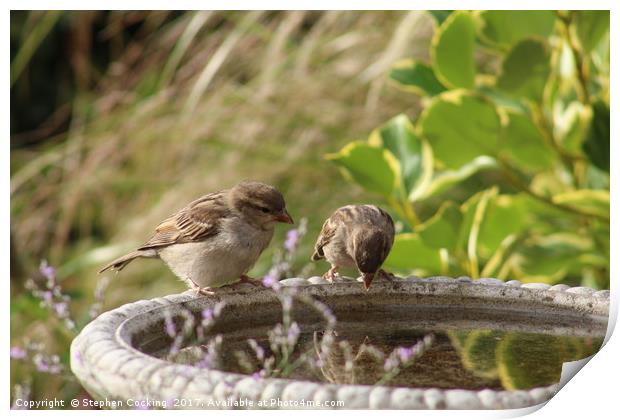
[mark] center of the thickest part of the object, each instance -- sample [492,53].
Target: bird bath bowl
[496,346]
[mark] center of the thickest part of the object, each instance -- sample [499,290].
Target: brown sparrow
[216,239]
[359,236]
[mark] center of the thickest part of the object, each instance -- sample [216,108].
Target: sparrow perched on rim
[216,239]
[358,236]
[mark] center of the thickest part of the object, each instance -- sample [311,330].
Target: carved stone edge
[109,368]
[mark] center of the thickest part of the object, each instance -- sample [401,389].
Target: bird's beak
[284,217]
[368,277]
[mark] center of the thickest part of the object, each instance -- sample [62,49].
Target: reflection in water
[454,358]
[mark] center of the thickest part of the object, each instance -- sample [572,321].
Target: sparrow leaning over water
[216,239]
[359,236]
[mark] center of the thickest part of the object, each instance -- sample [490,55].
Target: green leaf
[452,51]
[414,154]
[541,367]
[524,144]
[501,99]
[525,70]
[502,216]
[440,15]
[458,338]
[591,26]
[590,201]
[460,127]
[571,124]
[410,252]
[596,179]
[597,144]
[417,77]
[548,259]
[441,230]
[468,209]
[505,27]
[478,353]
[505,215]
[374,168]
[447,179]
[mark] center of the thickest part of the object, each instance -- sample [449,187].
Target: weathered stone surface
[581,290]
[540,286]
[490,282]
[106,359]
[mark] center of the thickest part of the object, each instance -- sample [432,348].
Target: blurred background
[120,118]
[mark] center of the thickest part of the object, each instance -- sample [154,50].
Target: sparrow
[358,236]
[216,239]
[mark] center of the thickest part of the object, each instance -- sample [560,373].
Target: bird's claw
[204,291]
[331,274]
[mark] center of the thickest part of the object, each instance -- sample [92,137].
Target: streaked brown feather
[328,231]
[197,221]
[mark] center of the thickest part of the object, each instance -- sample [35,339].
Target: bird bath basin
[494,345]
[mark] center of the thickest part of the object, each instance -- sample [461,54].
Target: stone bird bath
[119,354]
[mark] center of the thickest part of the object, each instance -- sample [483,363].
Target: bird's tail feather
[318,255]
[120,263]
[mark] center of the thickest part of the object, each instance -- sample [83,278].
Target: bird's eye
[264,209]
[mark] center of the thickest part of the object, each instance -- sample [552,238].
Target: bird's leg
[204,291]
[331,274]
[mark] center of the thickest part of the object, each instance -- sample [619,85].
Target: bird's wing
[194,223]
[327,233]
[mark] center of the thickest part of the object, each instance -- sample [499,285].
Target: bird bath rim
[109,366]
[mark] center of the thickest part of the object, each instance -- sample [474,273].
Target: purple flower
[170,327]
[258,350]
[292,238]
[48,271]
[259,374]
[61,309]
[41,364]
[270,280]
[207,314]
[47,296]
[405,354]
[205,363]
[292,334]
[18,353]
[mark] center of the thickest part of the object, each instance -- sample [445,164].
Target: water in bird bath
[465,358]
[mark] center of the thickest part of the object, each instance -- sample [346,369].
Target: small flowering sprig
[48,363]
[18,353]
[43,362]
[99,295]
[403,357]
[178,336]
[50,295]
[283,259]
[211,355]
[208,318]
[283,339]
[294,236]
[182,327]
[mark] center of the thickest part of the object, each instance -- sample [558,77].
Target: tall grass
[204,100]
